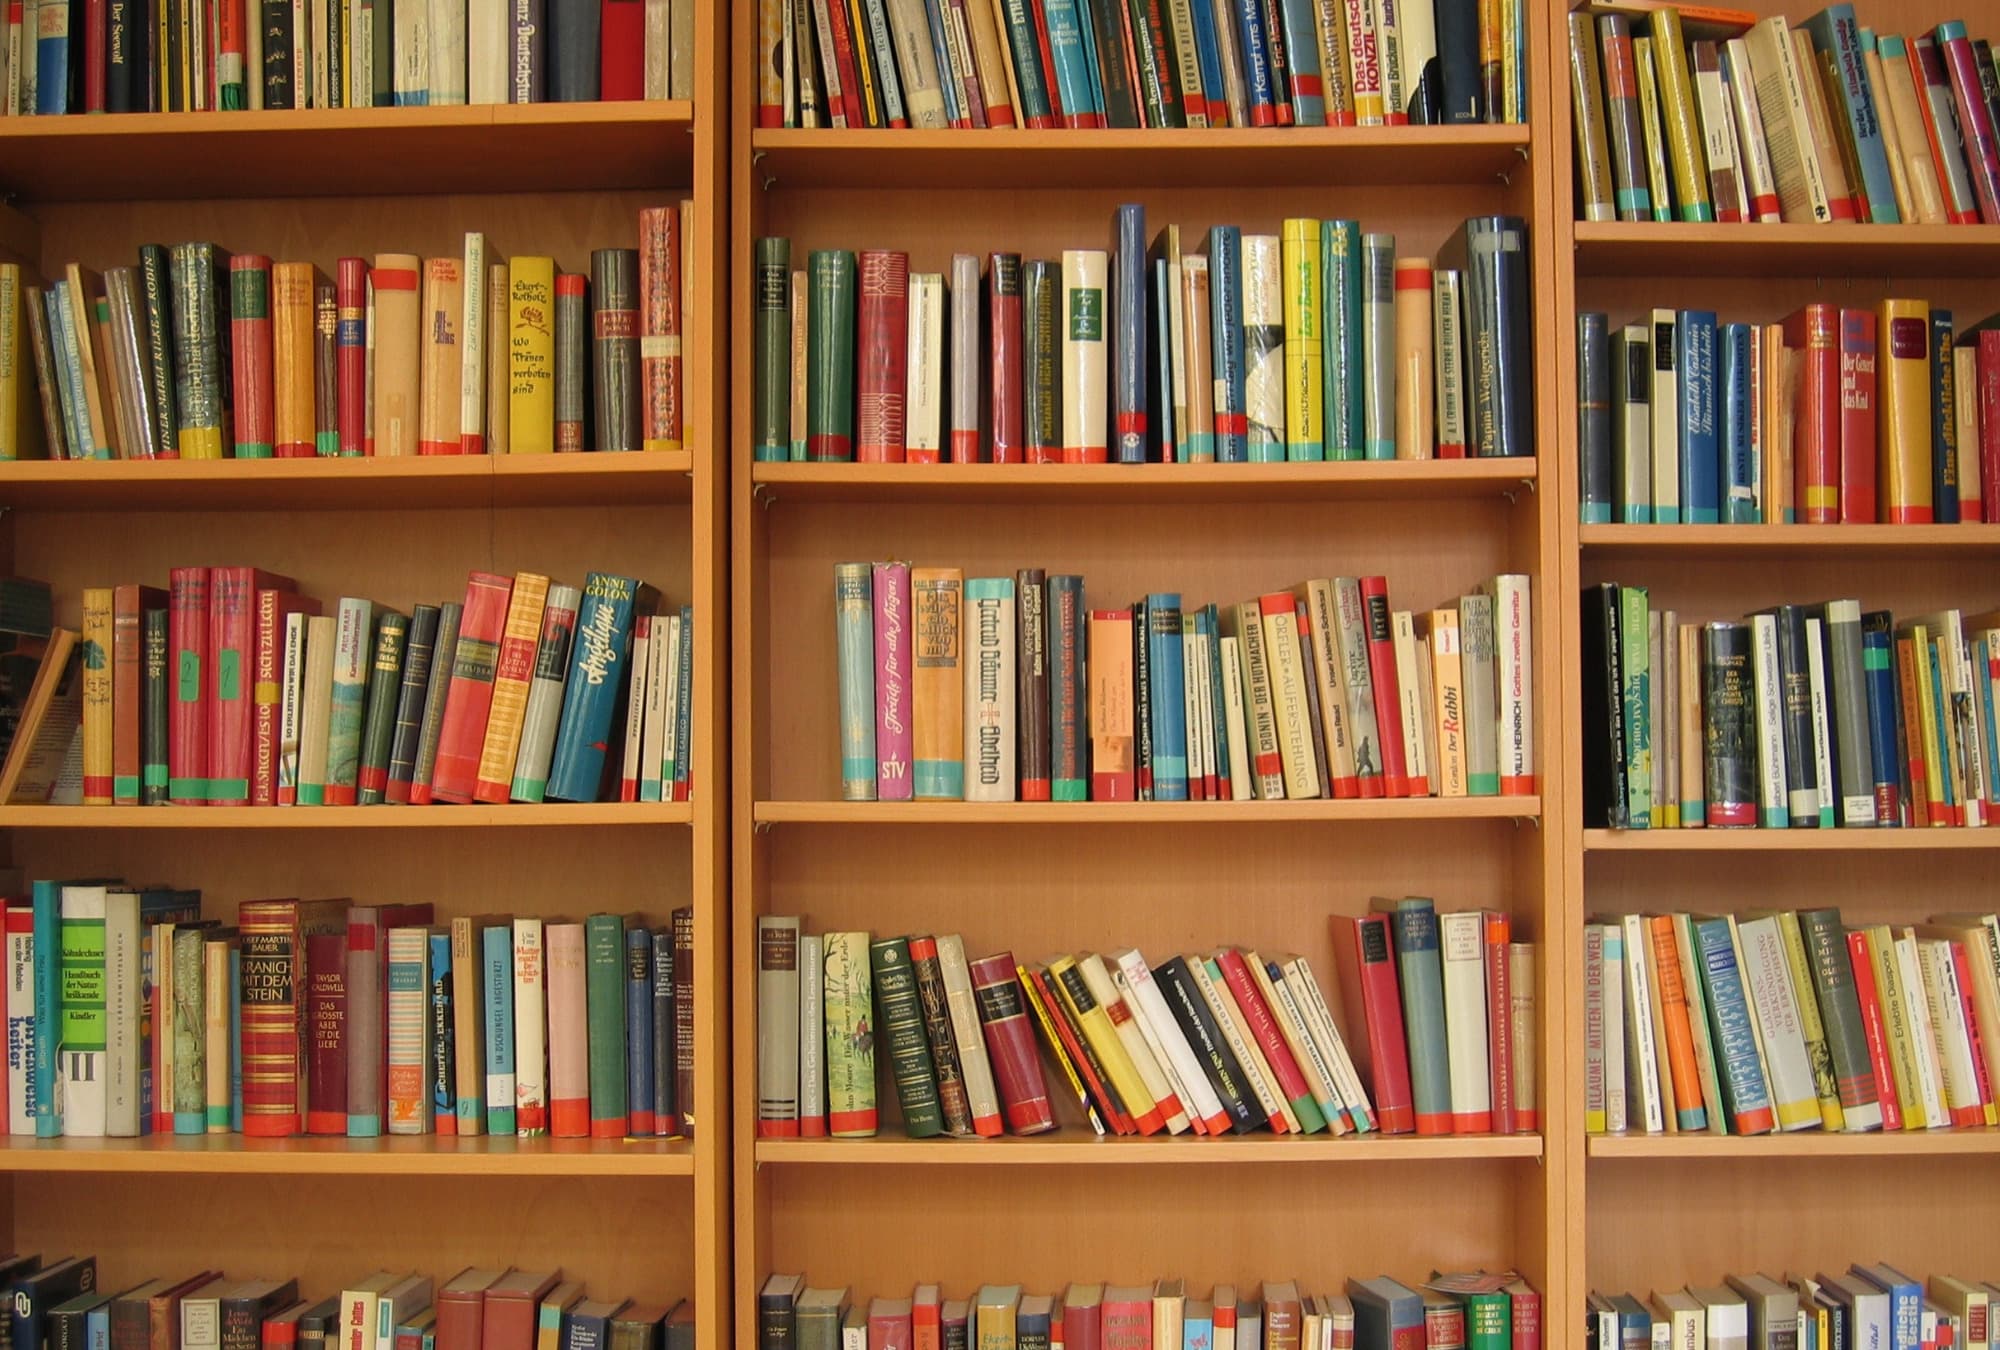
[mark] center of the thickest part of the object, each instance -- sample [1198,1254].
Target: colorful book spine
[351,653]
[378,727]
[496,966]
[482,628]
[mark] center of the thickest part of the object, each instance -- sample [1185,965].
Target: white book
[201,1318]
[1409,696]
[1767,976]
[1211,753]
[20,1023]
[1923,1033]
[780,1027]
[1947,1008]
[1298,1038]
[989,689]
[1752,151]
[412,51]
[670,739]
[472,348]
[489,33]
[361,53]
[1235,721]
[399,1303]
[1772,800]
[447,51]
[291,710]
[1781,107]
[1448,355]
[1264,344]
[1462,938]
[1642,1064]
[923,401]
[1133,979]
[531,1029]
[1664,405]
[1305,990]
[1718,132]
[916,65]
[1191,705]
[357,1312]
[409,996]
[1514,673]
[1822,728]
[123,986]
[1138,1047]
[81,1071]
[1617,1109]
[659,42]
[1085,406]
[303,93]
[653,733]
[635,700]
[1384,16]
[977,1069]
[812,1032]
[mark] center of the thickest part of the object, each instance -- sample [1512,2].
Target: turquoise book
[48,1008]
[1166,673]
[854,645]
[497,1007]
[1738,1064]
[1413,929]
[442,1069]
[597,666]
[353,647]
[1225,304]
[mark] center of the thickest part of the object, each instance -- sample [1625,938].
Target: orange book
[393,425]
[1680,1032]
[1813,335]
[1903,411]
[442,314]
[292,285]
[937,694]
[1777,405]
[1109,663]
[513,672]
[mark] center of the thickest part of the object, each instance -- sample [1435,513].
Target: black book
[1031,1322]
[173,57]
[1031,671]
[614,285]
[281,89]
[1142,702]
[1121,100]
[684,994]
[246,1305]
[527,79]
[1277,54]
[415,684]
[1491,253]
[1593,417]
[1605,799]
[34,301]
[1041,360]
[1728,725]
[382,93]
[1459,101]
[573,54]
[34,1294]
[156,353]
[1218,1061]
[319,1326]
[120,30]
[153,648]
[776,1306]
[1795,705]
[666,1110]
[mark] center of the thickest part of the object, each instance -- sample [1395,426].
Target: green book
[604,994]
[830,282]
[1489,1320]
[850,1046]
[385,680]
[1840,1012]
[1340,352]
[1637,663]
[350,683]
[899,1026]
[772,403]
[190,1032]
[81,981]
[817,1318]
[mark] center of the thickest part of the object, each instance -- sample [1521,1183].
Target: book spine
[326,369]
[1005,370]
[442,1069]
[1594,162]
[351,355]
[954,1104]
[850,1058]
[665,1004]
[496,977]
[1378,346]
[408,1088]
[900,1027]
[188,640]
[894,739]
[349,692]
[470,694]
[881,356]
[1944,430]
[572,363]
[1700,462]
[1128,326]
[250,339]
[639,1032]
[412,685]
[513,674]
[1975,117]
[614,284]
[364,1028]
[963,381]
[936,687]
[392,635]
[660,320]
[990,752]
[429,734]
[1010,1045]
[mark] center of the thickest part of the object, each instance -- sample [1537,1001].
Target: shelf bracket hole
[763,496]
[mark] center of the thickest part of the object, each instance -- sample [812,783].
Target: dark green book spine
[326,388]
[414,684]
[153,724]
[1041,361]
[1149,45]
[383,90]
[614,285]
[899,1028]
[572,363]
[774,374]
[156,345]
[197,353]
[1840,1011]
[1340,267]
[392,636]
[604,992]
[431,730]
[830,355]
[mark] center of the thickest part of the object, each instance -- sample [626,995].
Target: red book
[844,59]
[279,1333]
[569,431]
[250,354]
[1039,13]
[1498,931]
[1382,672]
[232,643]
[326,1033]
[469,697]
[187,710]
[1263,1024]
[1527,1315]
[274,936]
[1003,310]
[461,1307]
[350,298]
[1040,990]
[128,606]
[622,71]
[659,327]
[1814,332]
[1871,1028]
[1010,1044]
[513,1303]
[926,1320]
[1282,1315]
[1127,1320]
[1973,1031]
[881,358]
[1989,425]
[890,1324]
[1081,1321]
[1927,69]
[96,38]
[1975,118]
[1373,1007]
[267,697]
[1857,417]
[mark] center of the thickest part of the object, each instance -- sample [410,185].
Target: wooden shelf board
[1079,1149]
[1260,157]
[515,816]
[1813,541]
[1144,813]
[343,484]
[1754,841]
[420,1155]
[986,484]
[1803,1144]
[1631,248]
[348,151]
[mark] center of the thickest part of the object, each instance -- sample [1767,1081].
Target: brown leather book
[461,1308]
[512,1303]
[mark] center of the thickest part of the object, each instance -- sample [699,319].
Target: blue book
[1340,337]
[954,111]
[1302,57]
[1940,747]
[443,1068]
[51,66]
[854,646]
[665,1115]
[97,1326]
[36,1294]
[1166,672]
[1944,429]
[684,710]
[1067,36]
[48,1009]
[1834,31]
[597,677]
[639,1030]
[1739,411]
[1906,1303]
[1091,68]
[1255,53]
[1982,655]
[1208,56]
[1738,1064]
[1413,930]
[1208,625]
[1197,1327]
[1700,453]
[497,1010]
[236,1040]
[587,1326]
[1225,304]
[1160,445]
[1128,336]
[1020,41]
[68,376]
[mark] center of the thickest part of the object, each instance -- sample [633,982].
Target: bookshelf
[881,1215]
[1663,1211]
[644,1218]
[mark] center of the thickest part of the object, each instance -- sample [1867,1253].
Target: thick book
[830,355]
[937,684]
[614,320]
[469,695]
[367,1011]
[1372,1004]
[378,725]
[274,935]
[514,674]
[189,637]
[1010,1044]
[899,1026]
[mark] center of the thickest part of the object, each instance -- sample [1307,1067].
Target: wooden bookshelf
[894,815]
[642,1218]
[1807,1144]
[1646,249]
[1158,484]
[1083,1149]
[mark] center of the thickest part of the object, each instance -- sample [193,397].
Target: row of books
[1091,63]
[194,353]
[128,1015]
[1218,1044]
[1875,1305]
[1478,1310]
[1013,688]
[1832,416]
[1799,716]
[61,1305]
[1789,1021]
[1758,121]
[510,696]
[154,56]
[1316,343]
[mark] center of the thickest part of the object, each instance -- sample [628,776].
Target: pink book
[569,1044]
[1975,118]
[893,747]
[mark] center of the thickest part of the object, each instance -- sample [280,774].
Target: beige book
[1825,137]
[1415,405]
[1323,617]
[499,404]
[1200,375]
[317,709]
[1687,715]
[513,673]
[1981,936]
[937,685]
[1410,699]
[1249,1055]
[1522,1025]
[442,315]
[468,953]
[989,54]
[83,284]
[472,338]
[1965,414]
[397,326]
[1448,703]
[1898,89]
[1244,623]
[1781,100]
[1885,114]
[1291,716]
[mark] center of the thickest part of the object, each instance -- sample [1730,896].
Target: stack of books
[1754,120]
[1439,1012]
[193,353]
[61,1304]
[233,689]
[1799,716]
[320,1017]
[1092,63]
[157,56]
[1479,1311]
[1865,1305]
[1789,1021]
[1832,416]
[1313,344]
[1319,691]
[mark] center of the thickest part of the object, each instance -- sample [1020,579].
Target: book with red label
[250,353]
[1497,934]
[660,273]
[1814,333]
[1010,1045]
[469,696]
[1870,1001]
[881,356]
[1381,638]
[1372,1006]
[232,644]
[622,48]
[266,691]
[273,934]
[1989,422]
[326,1032]
[128,679]
[1857,416]
[187,654]
[1270,1040]
[1003,344]
[1127,1320]
[350,346]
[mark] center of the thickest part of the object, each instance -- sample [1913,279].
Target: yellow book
[294,425]
[513,672]
[1937,758]
[1903,411]
[20,414]
[1896,1029]
[1965,416]
[1305,418]
[1819,1055]
[1095,1023]
[1415,406]
[1448,702]
[97,754]
[1677,114]
[1886,111]
[531,356]
[1687,694]
[1649,124]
